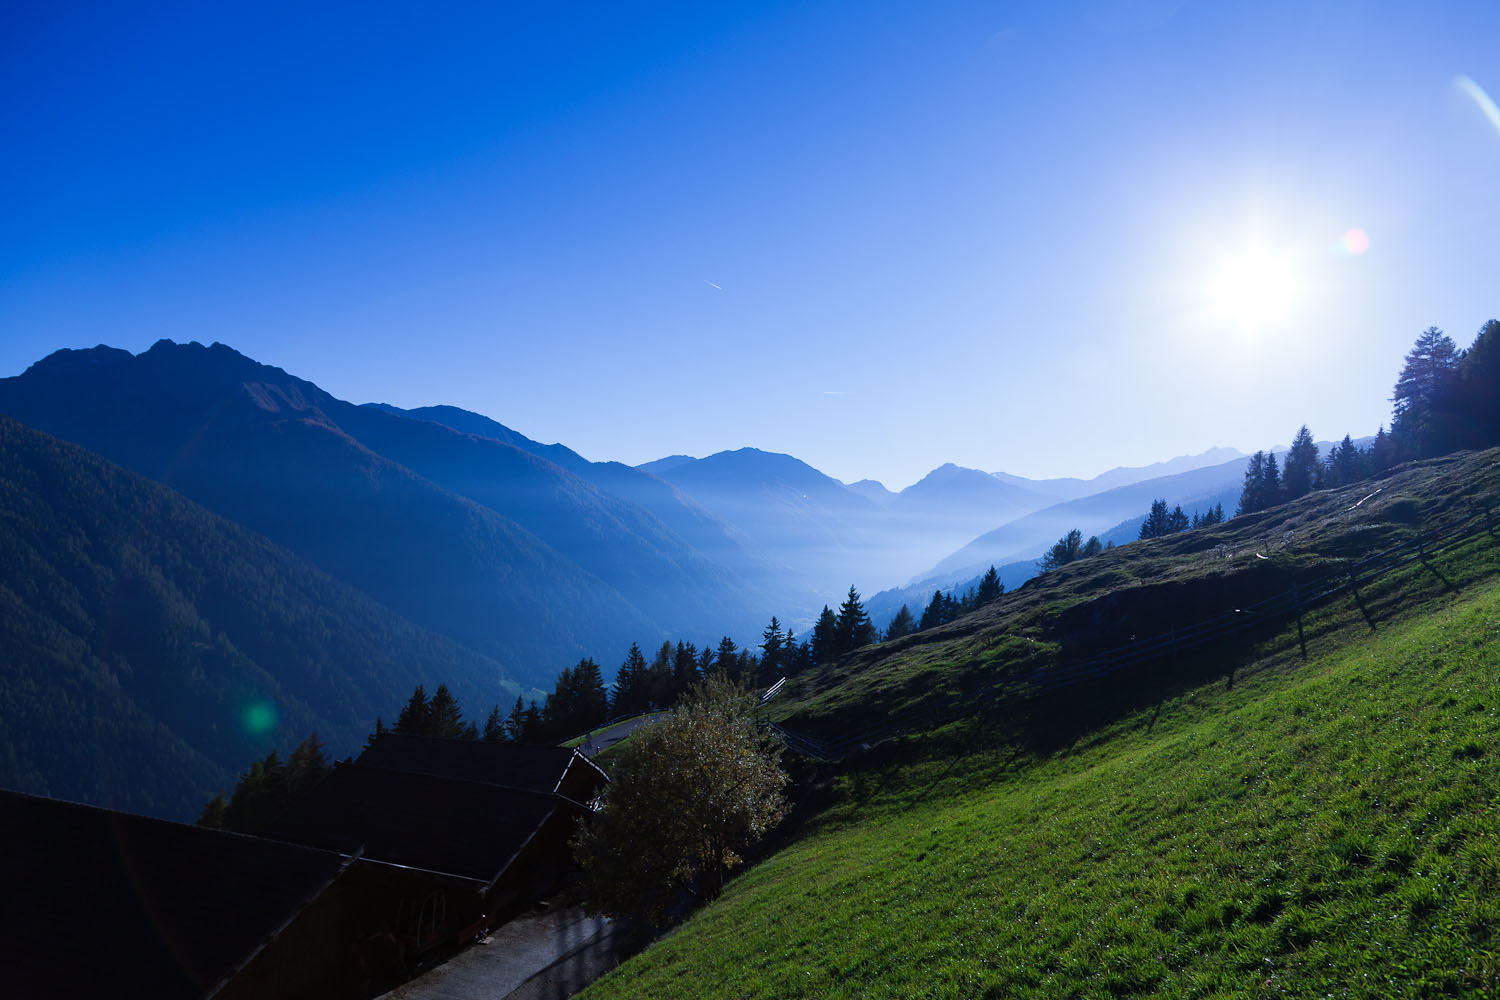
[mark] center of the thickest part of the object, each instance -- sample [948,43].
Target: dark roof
[467,829]
[106,904]
[514,765]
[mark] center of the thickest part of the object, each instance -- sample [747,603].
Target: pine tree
[1424,423]
[531,723]
[415,718]
[516,725]
[444,718]
[1382,453]
[990,588]
[378,732]
[901,624]
[1479,388]
[800,658]
[592,704]
[771,647]
[824,637]
[1068,549]
[1253,492]
[1158,521]
[494,727]
[1271,481]
[1177,521]
[258,797]
[659,677]
[630,691]
[852,627]
[1302,468]
[932,617]
[1343,464]
[307,766]
[726,656]
[213,814]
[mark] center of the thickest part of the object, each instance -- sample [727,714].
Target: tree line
[1444,400]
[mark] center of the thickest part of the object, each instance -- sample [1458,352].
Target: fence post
[1297,607]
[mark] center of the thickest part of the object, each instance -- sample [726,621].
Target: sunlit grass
[1323,829]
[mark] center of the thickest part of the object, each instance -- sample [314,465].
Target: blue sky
[1042,238]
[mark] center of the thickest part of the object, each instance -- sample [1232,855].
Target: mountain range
[191,534]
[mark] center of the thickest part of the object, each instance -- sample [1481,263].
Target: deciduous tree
[686,797]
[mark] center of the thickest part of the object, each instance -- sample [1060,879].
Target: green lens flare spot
[260,717]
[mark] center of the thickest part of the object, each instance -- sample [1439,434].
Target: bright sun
[1255,288]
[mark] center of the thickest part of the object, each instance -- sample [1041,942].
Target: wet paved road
[605,738]
[538,955]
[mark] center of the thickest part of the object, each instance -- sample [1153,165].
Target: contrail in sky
[1486,104]
[710,284]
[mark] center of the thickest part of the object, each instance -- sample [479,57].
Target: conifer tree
[771,648]
[494,727]
[444,717]
[1068,549]
[531,723]
[824,637]
[213,814]
[630,691]
[800,657]
[901,624]
[307,766]
[726,656]
[1271,482]
[1158,521]
[515,726]
[1301,471]
[1253,492]
[258,797]
[592,704]
[1479,388]
[1423,422]
[1342,465]
[852,627]
[416,716]
[659,677]
[990,587]
[1177,520]
[933,615]
[684,667]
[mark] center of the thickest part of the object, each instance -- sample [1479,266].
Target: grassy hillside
[1143,590]
[1249,823]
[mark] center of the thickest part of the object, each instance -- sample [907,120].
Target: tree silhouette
[1423,422]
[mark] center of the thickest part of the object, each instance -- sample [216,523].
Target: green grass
[1320,828]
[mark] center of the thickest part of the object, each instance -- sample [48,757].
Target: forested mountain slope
[153,649]
[503,550]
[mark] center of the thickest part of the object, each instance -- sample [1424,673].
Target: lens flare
[1485,103]
[259,718]
[1354,242]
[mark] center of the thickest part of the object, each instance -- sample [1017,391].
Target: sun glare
[1253,289]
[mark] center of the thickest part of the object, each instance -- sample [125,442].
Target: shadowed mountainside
[154,649]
